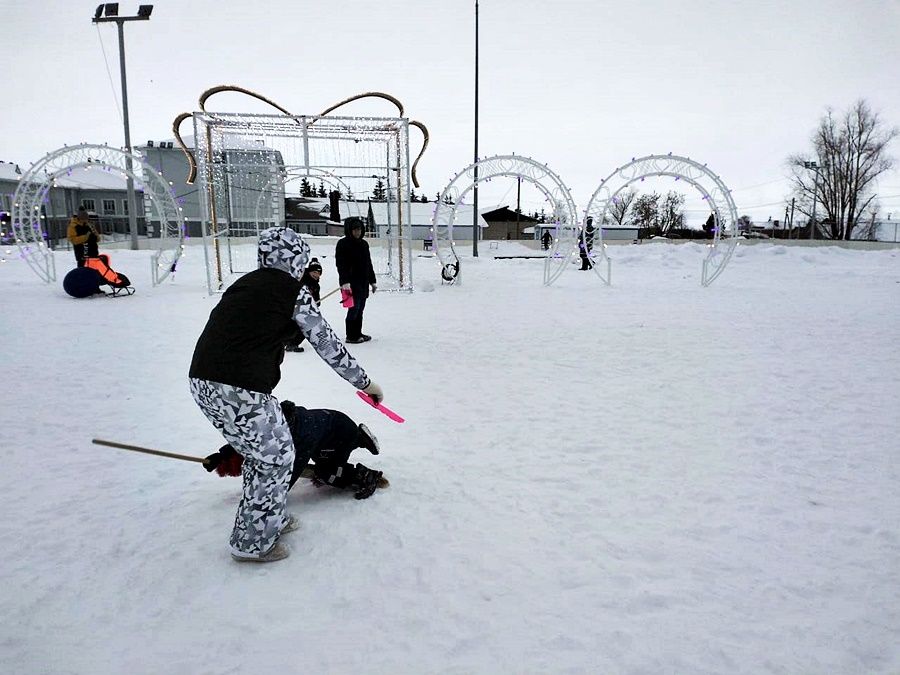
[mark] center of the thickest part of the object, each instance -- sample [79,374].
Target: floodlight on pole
[111,11]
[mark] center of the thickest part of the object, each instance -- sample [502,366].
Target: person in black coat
[355,273]
[586,245]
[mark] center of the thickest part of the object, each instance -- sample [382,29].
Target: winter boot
[367,481]
[278,552]
[366,439]
[363,480]
[291,523]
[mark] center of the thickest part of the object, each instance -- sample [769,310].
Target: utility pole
[475,191]
[518,204]
[112,15]
[812,227]
[791,232]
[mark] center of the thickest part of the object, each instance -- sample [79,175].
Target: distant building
[505,223]
[103,193]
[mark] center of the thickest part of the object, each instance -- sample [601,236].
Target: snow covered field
[649,478]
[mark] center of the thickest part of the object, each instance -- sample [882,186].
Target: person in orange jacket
[82,233]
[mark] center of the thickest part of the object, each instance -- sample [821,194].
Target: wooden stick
[148,451]
[307,472]
[330,293]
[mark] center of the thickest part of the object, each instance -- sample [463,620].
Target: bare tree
[851,153]
[744,223]
[670,213]
[618,212]
[643,212]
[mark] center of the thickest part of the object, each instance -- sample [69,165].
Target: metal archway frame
[36,183]
[564,213]
[708,183]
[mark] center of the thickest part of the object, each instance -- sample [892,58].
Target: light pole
[815,166]
[475,191]
[111,11]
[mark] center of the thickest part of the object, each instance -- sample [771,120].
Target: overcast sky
[581,85]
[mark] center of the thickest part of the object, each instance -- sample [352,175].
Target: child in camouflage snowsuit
[235,367]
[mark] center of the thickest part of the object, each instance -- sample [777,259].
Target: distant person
[355,274]
[586,245]
[310,280]
[546,238]
[83,236]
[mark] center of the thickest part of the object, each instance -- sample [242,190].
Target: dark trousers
[354,319]
[90,250]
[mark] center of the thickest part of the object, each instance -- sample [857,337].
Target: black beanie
[314,266]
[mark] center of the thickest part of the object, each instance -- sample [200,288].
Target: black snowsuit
[585,246]
[354,266]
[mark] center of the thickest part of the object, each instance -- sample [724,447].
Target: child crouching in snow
[325,436]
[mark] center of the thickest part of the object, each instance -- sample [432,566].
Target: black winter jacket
[354,262]
[243,342]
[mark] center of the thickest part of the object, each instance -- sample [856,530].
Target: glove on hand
[346,297]
[375,392]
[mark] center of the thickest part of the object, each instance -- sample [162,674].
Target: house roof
[504,214]
[87,178]
[421,213]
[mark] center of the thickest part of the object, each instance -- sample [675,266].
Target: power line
[109,74]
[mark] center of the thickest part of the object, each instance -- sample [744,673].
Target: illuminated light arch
[35,184]
[710,186]
[192,162]
[564,213]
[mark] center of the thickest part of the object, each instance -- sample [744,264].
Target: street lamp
[815,166]
[475,223]
[111,12]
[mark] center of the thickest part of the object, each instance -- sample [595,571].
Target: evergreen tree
[305,188]
[322,192]
[378,194]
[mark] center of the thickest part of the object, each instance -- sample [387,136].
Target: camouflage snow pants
[255,426]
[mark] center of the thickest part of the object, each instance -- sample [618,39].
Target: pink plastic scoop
[380,408]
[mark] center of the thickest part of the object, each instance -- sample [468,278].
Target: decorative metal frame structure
[564,213]
[35,184]
[710,186]
[349,150]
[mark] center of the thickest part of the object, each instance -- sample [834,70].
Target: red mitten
[230,462]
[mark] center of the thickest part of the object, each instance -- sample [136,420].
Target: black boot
[366,439]
[363,480]
[367,481]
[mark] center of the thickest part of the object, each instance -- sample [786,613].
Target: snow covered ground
[649,478]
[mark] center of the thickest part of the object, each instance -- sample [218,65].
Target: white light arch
[710,186]
[36,183]
[564,213]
